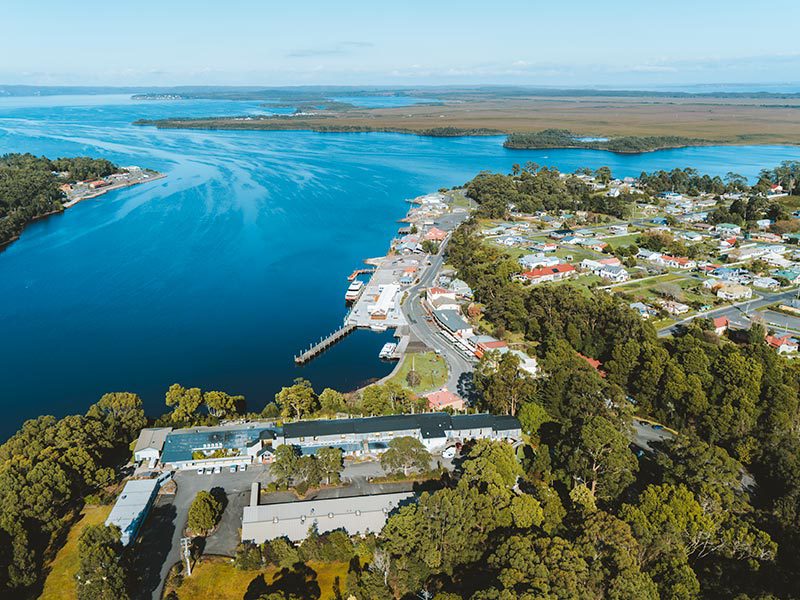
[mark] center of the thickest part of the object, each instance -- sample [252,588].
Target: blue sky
[436,42]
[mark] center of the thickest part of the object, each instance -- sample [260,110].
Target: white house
[734,291]
[150,444]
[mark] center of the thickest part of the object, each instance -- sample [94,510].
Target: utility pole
[187,554]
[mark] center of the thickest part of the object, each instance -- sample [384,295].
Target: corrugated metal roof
[180,443]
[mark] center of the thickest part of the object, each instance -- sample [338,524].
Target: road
[737,313]
[644,434]
[459,367]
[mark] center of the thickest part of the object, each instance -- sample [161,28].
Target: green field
[431,367]
[217,578]
[60,582]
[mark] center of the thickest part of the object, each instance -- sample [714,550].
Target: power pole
[187,554]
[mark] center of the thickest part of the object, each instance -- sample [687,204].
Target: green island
[34,187]
[563,138]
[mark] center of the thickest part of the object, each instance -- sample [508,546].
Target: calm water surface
[218,274]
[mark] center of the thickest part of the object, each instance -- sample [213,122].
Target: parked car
[243,467]
[233,469]
[200,471]
[217,469]
[449,452]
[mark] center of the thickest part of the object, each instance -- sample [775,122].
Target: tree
[413,378]
[204,512]
[248,556]
[405,453]
[283,467]
[596,453]
[223,405]
[331,401]
[186,401]
[100,574]
[502,383]
[330,463]
[532,416]
[526,511]
[297,401]
[122,412]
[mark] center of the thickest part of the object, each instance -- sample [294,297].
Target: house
[692,236]
[132,506]
[766,283]
[408,276]
[676,262]
[776,260]
[453,322]
[748,252]
[613,273]
[659,221]
[441,299]
[356,515]
[487,343]
[763,223]
[791,275]
[645,311]
[531,261]
[727,244]
[542,247]
[674,308]
[444,399]
[727,229]
[594,363]
[618,229]
[461,288]
[721,325]
[545,274]
[434,234]
[648,255]
[783,345]
[371,435]
[734,291]
[150,443]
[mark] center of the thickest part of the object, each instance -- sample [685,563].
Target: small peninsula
[34,187]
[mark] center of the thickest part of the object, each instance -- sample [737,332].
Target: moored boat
[354,291]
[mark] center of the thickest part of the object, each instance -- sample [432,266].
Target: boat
[387,352]
[354,291]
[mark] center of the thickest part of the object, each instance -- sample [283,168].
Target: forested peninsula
[629,144]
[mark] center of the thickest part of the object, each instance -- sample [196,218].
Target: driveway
[159,545]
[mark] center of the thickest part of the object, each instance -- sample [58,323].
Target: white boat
[354,291]
[387,351]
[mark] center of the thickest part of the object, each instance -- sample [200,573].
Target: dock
[324,343]
[358,272]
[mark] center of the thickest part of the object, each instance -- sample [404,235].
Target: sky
[411,42]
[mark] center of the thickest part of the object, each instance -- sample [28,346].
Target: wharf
[324,344]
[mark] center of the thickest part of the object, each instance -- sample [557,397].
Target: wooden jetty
[324,343]
[358,272]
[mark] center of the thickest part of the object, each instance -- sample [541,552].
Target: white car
[200,471]
[449,452]
[233,469]
[217,469]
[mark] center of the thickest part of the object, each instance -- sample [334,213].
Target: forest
[29,187]
[563,138]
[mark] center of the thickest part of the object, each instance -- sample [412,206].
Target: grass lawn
[60,582]
[217,578]
[623,240]
[431,367]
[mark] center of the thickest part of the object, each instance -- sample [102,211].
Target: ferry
[387,351]
[354,291]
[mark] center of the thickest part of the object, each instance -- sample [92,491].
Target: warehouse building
[372,434]
[132,506]
[223,446]
[357,515]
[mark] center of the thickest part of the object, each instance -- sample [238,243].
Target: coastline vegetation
[563,138]
[29,187]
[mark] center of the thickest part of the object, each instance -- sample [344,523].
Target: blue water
[218,274]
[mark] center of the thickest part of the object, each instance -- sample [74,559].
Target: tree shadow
[150,551]
[220,496]
[299,581]
[257,588]
[466,387]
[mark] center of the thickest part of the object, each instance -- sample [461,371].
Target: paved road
[737,313]
[459,365]
[644,434]
[163,530]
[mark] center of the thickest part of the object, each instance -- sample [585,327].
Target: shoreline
[249,124]
[71,203]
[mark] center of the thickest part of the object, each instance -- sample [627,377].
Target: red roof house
[444,399]
[435,234]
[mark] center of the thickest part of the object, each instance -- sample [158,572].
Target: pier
[324,343]
[358,272]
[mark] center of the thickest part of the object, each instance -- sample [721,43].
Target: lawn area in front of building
[216,577]
[60,582]
[431,367]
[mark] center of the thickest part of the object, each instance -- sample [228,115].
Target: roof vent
[330,515]
[274,519]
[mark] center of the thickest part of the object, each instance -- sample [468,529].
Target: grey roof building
[224,444]
[150,443]
[373,434]
[452,321]
[132,506]
[356,515]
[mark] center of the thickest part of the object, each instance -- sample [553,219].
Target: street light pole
[187,554]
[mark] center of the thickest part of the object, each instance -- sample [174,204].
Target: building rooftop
[355,515]
[129,509]
[180,443]
[451,319]
[152,438]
